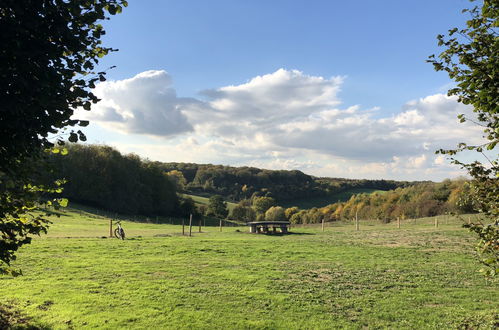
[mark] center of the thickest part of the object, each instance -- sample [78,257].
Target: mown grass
[414,277]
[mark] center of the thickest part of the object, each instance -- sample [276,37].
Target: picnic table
[268,227]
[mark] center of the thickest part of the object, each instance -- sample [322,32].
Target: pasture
[417,276]
[200,200]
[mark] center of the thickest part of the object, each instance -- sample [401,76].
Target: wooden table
[268,227]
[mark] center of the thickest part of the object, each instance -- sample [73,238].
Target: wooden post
[436,222]
[356,220]
[398,222]
[322,224]
[183,227]
[199,225]
[469,220]
[220,225]
[190,225]
[110,227]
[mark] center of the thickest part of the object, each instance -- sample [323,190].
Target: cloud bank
[285,119]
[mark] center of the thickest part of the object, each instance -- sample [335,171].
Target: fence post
[190,225]
[200,225]
[436,222]
[183,227]
[398,222]
[322,224]
[110,227]
[220,225]
[356,220]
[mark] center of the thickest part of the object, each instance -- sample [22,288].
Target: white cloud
[143,104]
[285,119]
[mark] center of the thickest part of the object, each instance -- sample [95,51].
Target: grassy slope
[414,277]
[199,200]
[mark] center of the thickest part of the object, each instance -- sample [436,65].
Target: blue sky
[221,67]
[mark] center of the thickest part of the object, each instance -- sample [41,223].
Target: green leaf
[73,137]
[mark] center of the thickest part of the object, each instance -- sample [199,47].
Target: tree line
[421,200]
[102,177]
[239,183]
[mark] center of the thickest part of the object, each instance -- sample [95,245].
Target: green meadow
[200,200]
[415,277]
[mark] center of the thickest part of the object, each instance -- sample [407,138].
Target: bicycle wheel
[117,233]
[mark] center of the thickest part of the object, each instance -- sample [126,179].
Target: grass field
[415,277]
[199,200]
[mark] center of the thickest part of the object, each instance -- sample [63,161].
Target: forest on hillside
[422,200]
[238,183]
[102,177]
[416,201]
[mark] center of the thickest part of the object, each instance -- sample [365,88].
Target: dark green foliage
[100,176]
[471,59]
[262,204]
[242,212]
[238,183]
[48,51]
[217,207]
[187,207]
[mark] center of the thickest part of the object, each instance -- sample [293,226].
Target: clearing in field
[417,276]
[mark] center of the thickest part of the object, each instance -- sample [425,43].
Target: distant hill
[287,187]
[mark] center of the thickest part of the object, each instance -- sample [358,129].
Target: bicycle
[119,232]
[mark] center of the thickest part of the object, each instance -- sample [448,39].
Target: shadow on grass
[281,234]
[12,318]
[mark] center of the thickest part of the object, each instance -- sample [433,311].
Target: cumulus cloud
[285,119]
[256,107]
[144,104]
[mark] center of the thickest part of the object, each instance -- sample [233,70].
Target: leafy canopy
[471,60]
[48,53]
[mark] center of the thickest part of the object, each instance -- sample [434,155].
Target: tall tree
[217,207]
[471,60]
[48,53]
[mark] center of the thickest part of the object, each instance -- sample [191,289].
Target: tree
[262,204]
[290,211]
[242,212]
[49,50]
[178,179]
[275,213]
[217,207]
[471,60]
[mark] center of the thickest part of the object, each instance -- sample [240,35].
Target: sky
[331,88]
